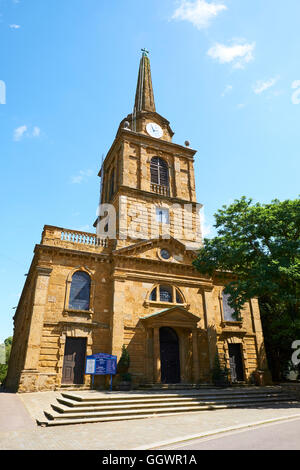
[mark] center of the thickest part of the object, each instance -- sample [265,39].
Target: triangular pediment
[175,315]
[152,249]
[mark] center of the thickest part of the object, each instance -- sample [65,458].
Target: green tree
[259,244]
[124,362]
[4,367]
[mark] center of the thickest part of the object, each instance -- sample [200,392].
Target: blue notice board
[101,364]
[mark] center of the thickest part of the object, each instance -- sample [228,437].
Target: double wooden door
[74,361]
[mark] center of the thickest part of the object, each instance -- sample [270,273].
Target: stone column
[156,356]
[195,356]
[210,324]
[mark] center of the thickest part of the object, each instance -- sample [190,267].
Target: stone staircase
[94,406]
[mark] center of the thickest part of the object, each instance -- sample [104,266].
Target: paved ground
[18,430]
[276,436]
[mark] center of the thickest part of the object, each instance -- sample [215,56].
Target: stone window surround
[67,311]
[235,339]
[224,322]
[164,259]
[159,303]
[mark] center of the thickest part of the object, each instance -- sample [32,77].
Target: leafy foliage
[260,245]
[124,362]
[4,367]
[219,374]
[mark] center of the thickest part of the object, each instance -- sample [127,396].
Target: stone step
[70,404]
[161,404]
[94,406]
[67,420]
[137,397]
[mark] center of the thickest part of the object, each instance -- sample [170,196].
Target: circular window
[165,254]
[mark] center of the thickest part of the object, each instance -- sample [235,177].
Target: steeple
[144,97]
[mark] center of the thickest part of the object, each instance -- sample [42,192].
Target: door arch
[169,355]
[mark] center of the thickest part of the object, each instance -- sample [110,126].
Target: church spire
[144,97]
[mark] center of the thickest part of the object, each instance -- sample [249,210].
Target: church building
[132,281]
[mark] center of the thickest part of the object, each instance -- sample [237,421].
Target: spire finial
[144,97]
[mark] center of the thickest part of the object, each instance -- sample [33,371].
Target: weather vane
[145,52]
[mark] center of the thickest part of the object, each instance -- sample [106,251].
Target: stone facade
[125,270]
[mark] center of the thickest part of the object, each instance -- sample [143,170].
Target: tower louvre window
[159,172]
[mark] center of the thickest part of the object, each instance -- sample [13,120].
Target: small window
[162,216]
[166,294]
[228,311]
[80,291]
[179,299]
[165,254]
[153,295]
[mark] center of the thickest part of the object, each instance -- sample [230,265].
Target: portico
[184,325]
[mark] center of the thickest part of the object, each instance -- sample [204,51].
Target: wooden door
[236,363]
[74,361]
[169,356]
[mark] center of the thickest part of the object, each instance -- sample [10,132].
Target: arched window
[167,294]
[80,291]
[228,311]
[159,172]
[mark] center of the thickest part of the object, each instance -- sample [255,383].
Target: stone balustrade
[66,238]
[158,189]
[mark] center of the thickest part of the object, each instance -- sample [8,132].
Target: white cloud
[262,85]
[83,175]
[237,54]
[14,26]
[228,89]
[19,132]
[36,132]
[199,13]
[23,131]
[205,227]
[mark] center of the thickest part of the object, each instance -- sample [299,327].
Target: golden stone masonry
[87,293]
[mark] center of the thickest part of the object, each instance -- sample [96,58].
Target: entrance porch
[172,354]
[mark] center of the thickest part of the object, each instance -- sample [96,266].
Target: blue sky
[225,74]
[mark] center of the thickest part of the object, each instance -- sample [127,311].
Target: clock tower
[147,178]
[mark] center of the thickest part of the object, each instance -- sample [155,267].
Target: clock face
[154,130]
